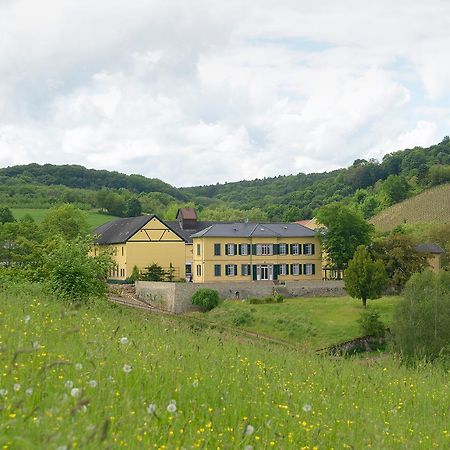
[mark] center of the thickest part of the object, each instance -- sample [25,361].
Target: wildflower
[26,319]
[36,345]
[195,383]
[68,384]
[127,368]
[17,387]
[92,383]
[29,391]
[124,340]
[75,392]
[249,430]
[3,392]
[151,409]
[307,407]
[78,366]
[171,407]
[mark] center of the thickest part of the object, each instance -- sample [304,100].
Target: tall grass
[104,376]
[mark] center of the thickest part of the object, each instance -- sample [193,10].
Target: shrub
[256,301]
[135,274]
[260,301]
[421,323]
[206,299]
[242,318]
[370,324]
[279,298]
[153,272]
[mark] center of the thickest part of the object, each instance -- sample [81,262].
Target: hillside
[432,205]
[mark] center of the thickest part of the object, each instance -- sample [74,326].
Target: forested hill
[79,177]
[370,185]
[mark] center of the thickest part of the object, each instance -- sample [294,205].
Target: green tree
[421,322]
[6,215]
[399,258]
[206,299]
[344,230]
[73,273]
[396,188]
[364,278]
[134,207]
[65,220]
[153,272]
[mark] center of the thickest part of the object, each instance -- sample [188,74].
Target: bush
[260,301]
[370,324]
[242,318]
[279,298]
[135,274]
[421,323]
[72,273]
[153,272]
[206,299]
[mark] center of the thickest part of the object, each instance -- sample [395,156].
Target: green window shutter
[313,268]
[304,268]
[300,249]
[291,247]
[304,250]
[235,269]
[254,272]
[249,269]
[226,249]
[249,250]
[254,251]
[276,249]
[217,270]
[239,249]
[217,249]
[243,269]
[292,269]
[313,249]
[276,271]
[287,269]
[235,249]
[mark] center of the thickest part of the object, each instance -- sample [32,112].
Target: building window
[309,269]
[230,249]
[216,249]
[308,249]
[295,269]
[264,249]
[283,269]
[217,270]
[122,251]
[122,272]
[295,249]
[199,270]
[283,249]
[243,248]
[230,270]
[198,249]
[245,270]
[188,269]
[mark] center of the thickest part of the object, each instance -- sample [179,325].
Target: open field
[312,322]
[94,218]
[432,205]
[69,382]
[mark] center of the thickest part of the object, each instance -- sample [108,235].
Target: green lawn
[102,376]
[314,322]
[94,218]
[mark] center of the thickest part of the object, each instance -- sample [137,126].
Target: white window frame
[230,249]
[229,270]
[199,270]
[307,249]
[199,249]
[283,249]
[264,249]
[243,249]
[296,269]
[283,269]
[296,249]
[246,270]
[307,269]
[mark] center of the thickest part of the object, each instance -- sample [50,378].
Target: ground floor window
[188,269]
[217,270]
[230,270]
[296,269]
[245,270]
[199,270]
[284,269]
[309,269]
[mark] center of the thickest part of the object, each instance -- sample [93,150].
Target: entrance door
[264,273]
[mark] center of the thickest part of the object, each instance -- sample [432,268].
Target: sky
[197,92]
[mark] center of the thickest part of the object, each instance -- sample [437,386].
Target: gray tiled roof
[429,248]
[187,233]
[255,230]
[119,231]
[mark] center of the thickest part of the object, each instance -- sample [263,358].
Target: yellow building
[256,251]
[141,241]
[434,253]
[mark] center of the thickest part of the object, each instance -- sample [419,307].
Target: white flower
[78,366]
[307,407]
[68,384]
[151,409]
[195,383]
[17,387]
[36,345]
[3,392]
[92,383]
[29,391]
[171,407]
[124,340]
[249,429]
[127,368]
[75,392]
[26,319]
[248,447]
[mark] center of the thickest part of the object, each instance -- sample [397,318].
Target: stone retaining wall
[176,297]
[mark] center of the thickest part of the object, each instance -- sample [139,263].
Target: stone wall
[176,297]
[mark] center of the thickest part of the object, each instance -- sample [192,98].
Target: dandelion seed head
[3,392]
[171,407]
[68,384]
[249,430]
[151,408]
[29,391]
[92,383]
[127,368]
[75,392]
[124,340]
[36,345]
[26,319]
[195,383]
[248,447]
[78,366]
[17,387]
[307,407]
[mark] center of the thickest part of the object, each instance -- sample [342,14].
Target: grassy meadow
[431,205]
[94,218]
[312,322]
[105,376]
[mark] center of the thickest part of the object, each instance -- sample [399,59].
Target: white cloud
[207,91]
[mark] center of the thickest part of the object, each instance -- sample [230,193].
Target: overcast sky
[198,92]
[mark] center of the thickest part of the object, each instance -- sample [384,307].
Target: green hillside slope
[432,205]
